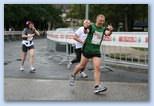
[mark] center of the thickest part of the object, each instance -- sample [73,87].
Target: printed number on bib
[97,36]
[27,43]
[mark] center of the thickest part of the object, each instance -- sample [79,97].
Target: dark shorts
[25,48]
[87,55]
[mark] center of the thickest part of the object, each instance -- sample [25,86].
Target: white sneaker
[98,89]
[83,75]
[21,68]
[69,65]
[32,70]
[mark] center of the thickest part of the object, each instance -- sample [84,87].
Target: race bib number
[97,36]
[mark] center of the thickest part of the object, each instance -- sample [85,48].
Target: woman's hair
[27,23]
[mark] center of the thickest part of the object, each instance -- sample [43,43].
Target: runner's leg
[97,73]
[80,66]
[31,59]
[82,73]
[76,59]
[78,56]
[77,69]
[23,58]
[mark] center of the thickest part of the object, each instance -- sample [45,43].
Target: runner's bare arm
[24,36]
[76,38]
[35,31]
[31,35]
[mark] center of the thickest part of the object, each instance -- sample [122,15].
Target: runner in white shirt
[80,36]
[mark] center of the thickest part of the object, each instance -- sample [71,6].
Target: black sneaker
[99,88]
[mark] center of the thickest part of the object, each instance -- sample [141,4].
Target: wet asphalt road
[50,82]
[48,68]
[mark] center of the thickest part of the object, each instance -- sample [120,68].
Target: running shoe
[99,88]
[69,65]
[21,68]
[72,80]
[83,75]
[32,70]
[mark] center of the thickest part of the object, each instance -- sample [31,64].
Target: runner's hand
[30,36]
[33,28]
[109,27]
[109,30]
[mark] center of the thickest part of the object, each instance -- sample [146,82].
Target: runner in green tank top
[93,41]
[91,49]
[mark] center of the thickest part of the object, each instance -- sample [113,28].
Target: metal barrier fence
[12,35]
[134,57]
[62,48]
[16,35]
[126,48]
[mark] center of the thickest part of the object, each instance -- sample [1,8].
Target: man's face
[86,23]
[100,20]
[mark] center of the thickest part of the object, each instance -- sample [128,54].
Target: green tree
[44,16]
[114,13]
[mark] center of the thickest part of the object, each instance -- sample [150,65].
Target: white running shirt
[82,36]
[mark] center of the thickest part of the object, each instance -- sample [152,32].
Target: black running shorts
[88,55]
[25,48]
